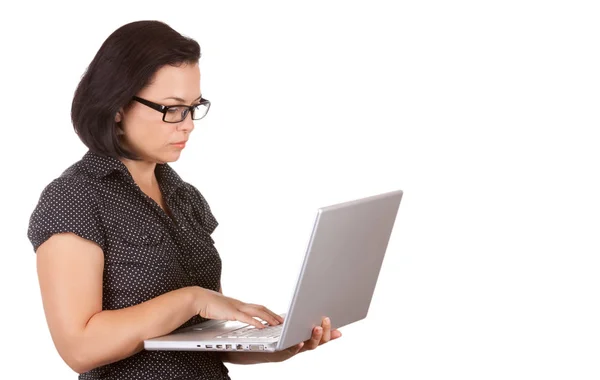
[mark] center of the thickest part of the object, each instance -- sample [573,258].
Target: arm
[70,272]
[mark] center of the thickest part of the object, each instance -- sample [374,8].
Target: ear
[118,119]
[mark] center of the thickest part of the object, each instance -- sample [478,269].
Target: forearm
[112,335]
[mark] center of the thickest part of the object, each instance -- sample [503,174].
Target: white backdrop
[484,113]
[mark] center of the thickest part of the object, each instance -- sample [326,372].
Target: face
[144,131]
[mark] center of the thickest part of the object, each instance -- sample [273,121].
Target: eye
[174,110]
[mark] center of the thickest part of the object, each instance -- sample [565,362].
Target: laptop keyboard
[252,332]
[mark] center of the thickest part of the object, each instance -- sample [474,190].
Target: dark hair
[125,63]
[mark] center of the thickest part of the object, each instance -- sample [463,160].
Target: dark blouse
[146,252]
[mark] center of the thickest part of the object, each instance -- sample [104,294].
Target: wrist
[198,299]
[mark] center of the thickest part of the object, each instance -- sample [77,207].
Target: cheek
[147,133]
[151,134]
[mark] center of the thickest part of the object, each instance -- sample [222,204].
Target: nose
[187,124]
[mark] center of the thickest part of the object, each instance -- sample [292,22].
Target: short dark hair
[124,64]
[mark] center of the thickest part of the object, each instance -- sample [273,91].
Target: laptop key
[251,332]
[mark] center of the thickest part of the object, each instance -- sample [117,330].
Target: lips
[179,145]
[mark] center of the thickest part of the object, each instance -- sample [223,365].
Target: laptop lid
[342,264]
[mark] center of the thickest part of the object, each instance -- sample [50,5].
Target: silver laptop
[337,280]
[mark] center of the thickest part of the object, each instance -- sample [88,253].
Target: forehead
[181,81]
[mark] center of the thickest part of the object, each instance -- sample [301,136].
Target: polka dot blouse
[146,252]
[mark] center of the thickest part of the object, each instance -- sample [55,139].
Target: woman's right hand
[214,305]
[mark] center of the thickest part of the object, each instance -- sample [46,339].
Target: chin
[168,157]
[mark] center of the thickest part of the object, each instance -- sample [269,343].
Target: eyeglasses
[178,113]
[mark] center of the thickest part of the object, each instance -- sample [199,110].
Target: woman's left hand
[320,335]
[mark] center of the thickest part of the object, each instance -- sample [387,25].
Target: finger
[326,330]
[289,352]
[243,317]
[313,342]
[275,316]
[261,312]
[267,310]
[299,348]
[335,334]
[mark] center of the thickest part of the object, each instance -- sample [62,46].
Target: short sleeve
[209,222]
[66,205]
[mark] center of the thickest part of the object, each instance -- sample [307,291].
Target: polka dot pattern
[146,252]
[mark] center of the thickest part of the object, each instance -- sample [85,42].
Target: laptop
[337,280]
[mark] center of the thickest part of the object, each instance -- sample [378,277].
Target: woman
[123,244]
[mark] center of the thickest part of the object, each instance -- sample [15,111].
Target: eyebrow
[182,100]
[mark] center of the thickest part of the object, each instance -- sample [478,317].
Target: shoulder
[67,204]
[74,182]
[79,172]
[72,194]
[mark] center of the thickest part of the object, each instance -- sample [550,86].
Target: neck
[142,172]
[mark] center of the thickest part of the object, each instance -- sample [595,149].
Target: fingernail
[327,320]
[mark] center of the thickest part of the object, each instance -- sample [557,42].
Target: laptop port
[209,346]
[219,346]
[228,346]
[256,347]
[239,347]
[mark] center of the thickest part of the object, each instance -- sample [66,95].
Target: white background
[484,113]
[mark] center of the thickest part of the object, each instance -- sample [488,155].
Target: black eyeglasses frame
[164,109]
